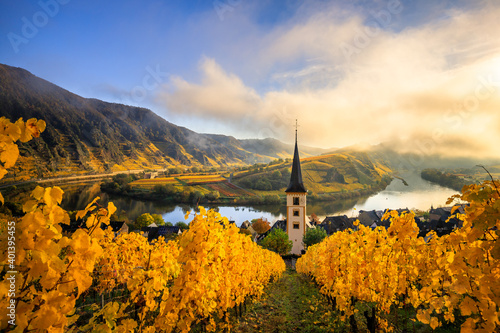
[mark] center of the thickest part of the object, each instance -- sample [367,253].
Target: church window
[296,201]
[295,212]
[296,225]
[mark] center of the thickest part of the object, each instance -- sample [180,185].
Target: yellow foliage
[457,271]
[9,134]
[54,269]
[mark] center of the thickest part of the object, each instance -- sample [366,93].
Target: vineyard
[439,281]
[202,183]
[230,190]
[48,277]
[92,281]
[196,280]
[179,180]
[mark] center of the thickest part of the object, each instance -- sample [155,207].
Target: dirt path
[292,304]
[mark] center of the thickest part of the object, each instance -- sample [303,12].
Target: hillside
[273,148]
[337,172]
[91,136]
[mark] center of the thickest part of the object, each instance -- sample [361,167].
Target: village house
[248,226]
[374,218]
[153,232]
[151,175]
[332,224]
[441,221]
[118,227]
[370,217]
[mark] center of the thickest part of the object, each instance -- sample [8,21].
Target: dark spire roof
[296,184]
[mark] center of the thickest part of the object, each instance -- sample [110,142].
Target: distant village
[440,220]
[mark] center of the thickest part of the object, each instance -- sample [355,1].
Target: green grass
[292,304]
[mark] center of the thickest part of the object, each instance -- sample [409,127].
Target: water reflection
[77,197]
[419,194]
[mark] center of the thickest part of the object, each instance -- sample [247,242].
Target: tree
[314,219]
[164,190]
[214,195]
[158,219]
[122,179]
[276,174]
[314,236]
[261,225]
[272,199]
[182,225]
[277,241]
[144,220]
[195,197]
[263,185]
[174,171]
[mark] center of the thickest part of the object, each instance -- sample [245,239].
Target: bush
[196,197]
[174,171]
[314,236]
[277,241]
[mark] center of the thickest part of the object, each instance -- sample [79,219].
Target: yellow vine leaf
[8,154]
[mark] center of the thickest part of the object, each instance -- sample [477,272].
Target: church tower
[296,204]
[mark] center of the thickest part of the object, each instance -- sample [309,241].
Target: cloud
[349,80]
[220,94]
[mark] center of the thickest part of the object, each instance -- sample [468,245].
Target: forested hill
[329,173]
[88,135]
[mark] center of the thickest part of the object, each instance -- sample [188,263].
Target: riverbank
[216,193]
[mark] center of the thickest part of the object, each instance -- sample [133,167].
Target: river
[418,194]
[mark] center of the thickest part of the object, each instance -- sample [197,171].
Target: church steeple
[296,194]
[296,185]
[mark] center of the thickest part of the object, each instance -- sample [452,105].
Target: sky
[421,75]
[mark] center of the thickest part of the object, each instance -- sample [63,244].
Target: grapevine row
[438,276]
[210,269]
